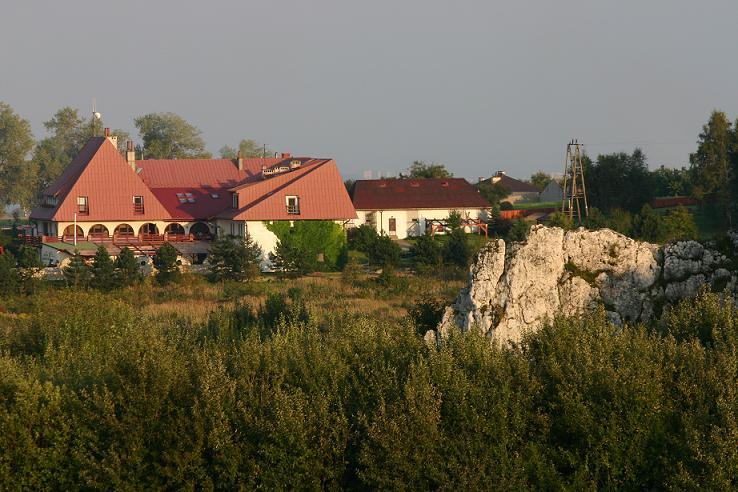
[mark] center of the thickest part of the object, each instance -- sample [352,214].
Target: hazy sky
[479,86]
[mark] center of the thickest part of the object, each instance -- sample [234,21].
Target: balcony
[293,209]
[138,208]
[83,210]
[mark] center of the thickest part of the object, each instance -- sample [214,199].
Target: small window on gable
[138,204]
[234,200]
[82,205]
[293,205]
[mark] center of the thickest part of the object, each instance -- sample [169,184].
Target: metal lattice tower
[574,200]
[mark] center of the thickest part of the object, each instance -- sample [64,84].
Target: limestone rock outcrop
[514,288]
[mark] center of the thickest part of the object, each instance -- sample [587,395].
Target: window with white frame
[293,204]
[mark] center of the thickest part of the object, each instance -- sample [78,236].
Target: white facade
[400,224]
[259,233]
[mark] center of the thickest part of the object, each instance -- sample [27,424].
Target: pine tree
[165,261]
[291,258]
[103,270]
[77,273]
[426,252]
[234,258]
[127,270]
[457,250]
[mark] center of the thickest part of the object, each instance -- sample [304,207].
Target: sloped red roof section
[105,178]
[192,203]
[317,184]
[400,194]
[203,173]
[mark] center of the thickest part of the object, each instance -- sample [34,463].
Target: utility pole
[574,199]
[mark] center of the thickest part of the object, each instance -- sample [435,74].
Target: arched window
[69,231]
[174,229]
[99,230]
[148,228]
[124,230]
[200,230]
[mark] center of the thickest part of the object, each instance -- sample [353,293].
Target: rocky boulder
[515,288]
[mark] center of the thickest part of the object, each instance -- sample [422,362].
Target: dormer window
[293,205]
[82,205]
[234,202]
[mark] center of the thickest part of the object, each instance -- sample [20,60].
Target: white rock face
[515,289]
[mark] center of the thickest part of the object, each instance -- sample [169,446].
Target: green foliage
[494,193]
[97,393]
[714,166]
[167,267]
[519,230]
[423,170]
[621,221]
[385,252]
[457,250]
[679,224]
[126,268]
[671,182]
[648,225]
[596,219]
[169,136]
[293,258]
[351,272]
[16,142]
[559,219]
[362,238]
[247,148]
[103,270]
[426,252]
[77,273]
[9,278]
[305,241]
[454,220]
[234,258]
[619,180]
[540,179]
[426,313]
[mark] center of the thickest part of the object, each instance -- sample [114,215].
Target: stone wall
[515,288]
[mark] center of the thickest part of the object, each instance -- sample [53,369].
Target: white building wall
[411,223]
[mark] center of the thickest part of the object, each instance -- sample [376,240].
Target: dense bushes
[309,245]
[96,394]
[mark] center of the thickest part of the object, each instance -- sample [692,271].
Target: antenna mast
[574,199]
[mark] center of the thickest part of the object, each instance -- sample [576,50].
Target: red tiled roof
[514,185]
[203,208]
[216,173]
[105,178]
[400,194]
[317,183]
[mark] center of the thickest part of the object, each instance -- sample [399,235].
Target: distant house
[553,192]
[105,198]
[406,207]
[520,191]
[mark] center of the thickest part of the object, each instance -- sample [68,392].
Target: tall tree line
[27,165]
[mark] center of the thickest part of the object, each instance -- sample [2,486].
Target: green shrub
[426,251]
[457,250]
[384,252]
[426,313]
[362,238]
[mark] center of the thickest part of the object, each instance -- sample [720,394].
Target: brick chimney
[113,138]
[239,161]
[131,154]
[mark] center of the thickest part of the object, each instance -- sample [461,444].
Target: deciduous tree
[423,170]
[169,136]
